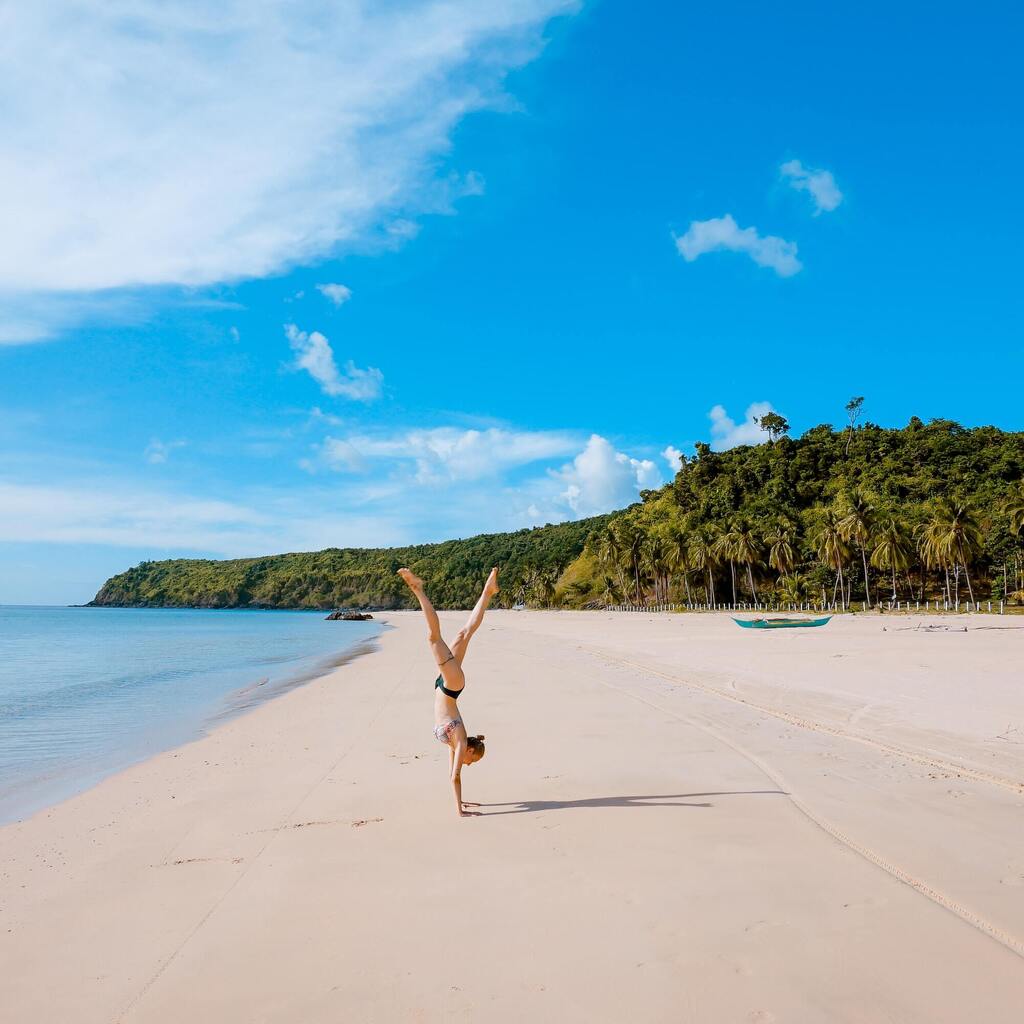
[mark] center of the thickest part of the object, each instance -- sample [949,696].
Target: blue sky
[563,239]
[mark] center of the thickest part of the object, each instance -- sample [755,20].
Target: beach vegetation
[928,511]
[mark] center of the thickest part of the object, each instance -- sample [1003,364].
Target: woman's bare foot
[491,586]
[412,580]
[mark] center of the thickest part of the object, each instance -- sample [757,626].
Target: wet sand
[681,821]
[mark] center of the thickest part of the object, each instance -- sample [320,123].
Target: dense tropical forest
[865,514]
[359,577]
[859,515]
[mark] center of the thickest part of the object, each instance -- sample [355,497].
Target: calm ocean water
[85,692]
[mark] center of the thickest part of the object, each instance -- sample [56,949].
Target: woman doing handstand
[448,725]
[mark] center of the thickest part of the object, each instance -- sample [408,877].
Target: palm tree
[831,548]
[929,546]
[858,525]
[741,545]
[893,549]
[792,589]
[747,550]
[1015,509]
[951,539]
[781,556]
[609,553]
[610,591]
[678,543]
[701,556]
[630,539]
[721,549]
[655,555]
[544,586]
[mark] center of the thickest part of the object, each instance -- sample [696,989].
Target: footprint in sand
[1015,879]
[206,860]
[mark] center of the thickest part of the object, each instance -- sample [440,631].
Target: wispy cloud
[34,316]
[338,294]
[704,236]
[819,183]
[155,144]
[492,469]
[403,487]
[441,454]
[313,353]
[119,514]
[726,433]
[157,451]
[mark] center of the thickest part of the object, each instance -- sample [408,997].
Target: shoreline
[66,781]
[647,846]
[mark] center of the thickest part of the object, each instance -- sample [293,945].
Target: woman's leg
[451,668]
[476,616]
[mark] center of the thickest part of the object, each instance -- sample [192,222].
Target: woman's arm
[456,776]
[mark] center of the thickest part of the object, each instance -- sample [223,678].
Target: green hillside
[929,510]
[531,561]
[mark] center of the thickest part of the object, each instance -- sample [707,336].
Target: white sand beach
[681,821]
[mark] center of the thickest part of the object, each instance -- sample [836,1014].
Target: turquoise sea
[85,692]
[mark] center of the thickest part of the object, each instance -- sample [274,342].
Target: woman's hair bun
[480,736]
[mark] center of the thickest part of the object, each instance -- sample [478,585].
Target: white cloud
[339,455]
[600,479]
[819,183]
[704,236]
[145,143]
[336,293]
[119,514]
[35,317]
[317,415]
[674,457]
[122,517]
[402,230]
[725,433]
[157,451]
[314,354]
[413,487]
[440,454]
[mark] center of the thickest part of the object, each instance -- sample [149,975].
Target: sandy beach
[681,821]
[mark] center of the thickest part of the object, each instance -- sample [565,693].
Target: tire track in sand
[941,899]
[926,760]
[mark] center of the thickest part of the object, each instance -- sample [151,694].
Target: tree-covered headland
[860,514]
[531,561]
[863,514]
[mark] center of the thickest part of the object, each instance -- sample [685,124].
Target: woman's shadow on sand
[658,800]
